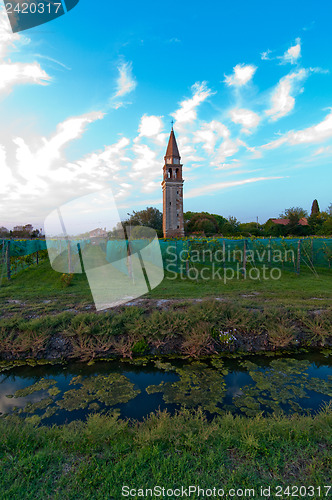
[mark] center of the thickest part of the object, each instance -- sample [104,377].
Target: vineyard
[181,255]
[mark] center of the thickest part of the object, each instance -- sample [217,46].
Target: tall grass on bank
[93,460]
[194,330]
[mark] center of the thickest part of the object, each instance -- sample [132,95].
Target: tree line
[294,221]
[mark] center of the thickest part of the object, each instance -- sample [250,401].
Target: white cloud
[227,149]
[245,117]
[14,73]
[218,186]
[209,134]
[146,167]
[282,101]
[187,112]
[323,151]
[19,73]
[8,39]
[126,82]
[293,53]
[317,133]
[265,56]
[37,175]
[150,126]
[242,74]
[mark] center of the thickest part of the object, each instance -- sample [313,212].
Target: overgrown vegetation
[192,330]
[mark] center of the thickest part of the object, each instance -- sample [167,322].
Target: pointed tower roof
[172,148]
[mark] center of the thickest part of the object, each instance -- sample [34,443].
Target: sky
[87,100]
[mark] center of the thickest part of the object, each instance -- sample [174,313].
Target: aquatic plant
[198,386]
[283,383]
[109,389]
[42,385]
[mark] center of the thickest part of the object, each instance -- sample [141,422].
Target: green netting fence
[179,256]
[285,253]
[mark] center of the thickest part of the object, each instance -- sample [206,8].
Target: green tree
[150,217]
[294,213]
[314,208]
[251,229]
[231,227]
[200,222]
[221,221]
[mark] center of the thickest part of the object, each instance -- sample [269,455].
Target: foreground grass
[95,459]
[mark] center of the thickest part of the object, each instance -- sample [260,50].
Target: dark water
[58,394]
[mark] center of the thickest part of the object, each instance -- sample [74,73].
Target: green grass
[39,290]
[94,460]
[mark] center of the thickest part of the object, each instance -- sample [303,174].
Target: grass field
[96,459]
[39,290]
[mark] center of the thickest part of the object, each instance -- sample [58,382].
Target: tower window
[178,227]
[170,203]
[169,173]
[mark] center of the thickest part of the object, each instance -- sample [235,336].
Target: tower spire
[172,148]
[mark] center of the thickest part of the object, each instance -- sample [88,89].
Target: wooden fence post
[69,257]
[224,252]
[244,257]
[269,251]
[298,257]
[8,259]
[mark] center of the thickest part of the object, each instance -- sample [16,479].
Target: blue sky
[86,103]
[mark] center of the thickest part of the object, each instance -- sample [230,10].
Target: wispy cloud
[245,117]
[215,187]
[293,54]
[187,113]
[317,133]
[282,99]
[51,59]
[209,134]
[265,56]
[126,83]
[241,75]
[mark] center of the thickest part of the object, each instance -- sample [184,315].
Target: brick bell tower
[173,225]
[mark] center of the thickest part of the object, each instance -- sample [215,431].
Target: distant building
[98,233]
[173,223]
[284,222]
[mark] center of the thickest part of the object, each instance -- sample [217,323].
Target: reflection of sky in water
[10,386]
[144,403]
[235,381]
